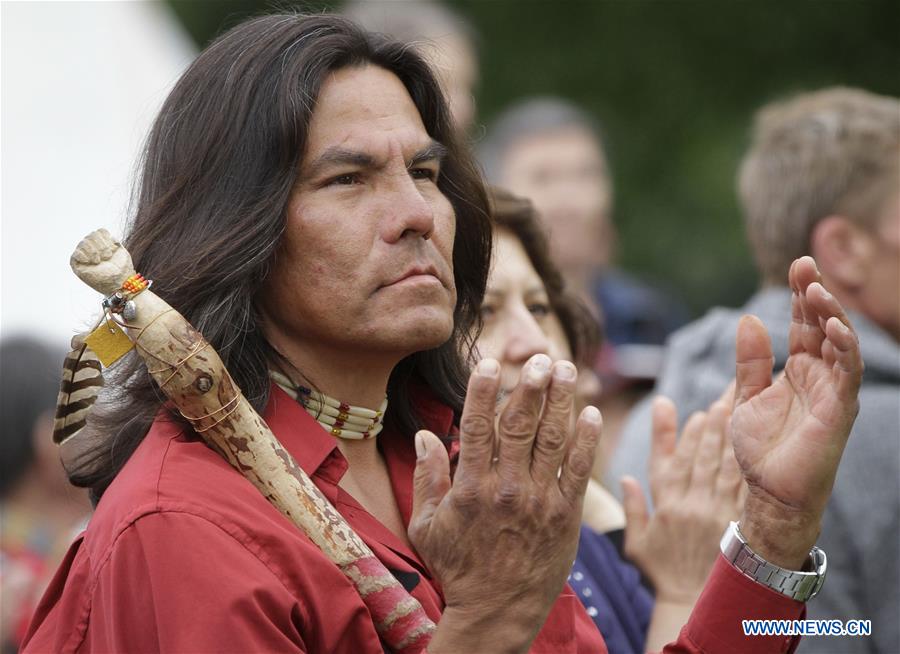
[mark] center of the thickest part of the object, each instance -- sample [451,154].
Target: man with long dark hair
[305,204]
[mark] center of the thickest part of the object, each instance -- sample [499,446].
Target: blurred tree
[675,86]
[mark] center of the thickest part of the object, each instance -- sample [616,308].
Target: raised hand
[697,489]
[101,262]
[789,434]
[501,539]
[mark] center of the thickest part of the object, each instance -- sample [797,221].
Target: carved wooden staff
[193,377]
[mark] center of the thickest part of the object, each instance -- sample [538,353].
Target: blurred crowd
[41,512]
[820,177]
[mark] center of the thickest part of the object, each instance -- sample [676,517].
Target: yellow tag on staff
[109,343]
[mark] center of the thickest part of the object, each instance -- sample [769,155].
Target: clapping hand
[789,433]
[697,489]
[501,538]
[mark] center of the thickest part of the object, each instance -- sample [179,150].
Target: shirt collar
[317,452]
[298,432]
[311,446]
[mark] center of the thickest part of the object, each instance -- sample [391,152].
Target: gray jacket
[861,526]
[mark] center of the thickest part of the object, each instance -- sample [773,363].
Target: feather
[82,379]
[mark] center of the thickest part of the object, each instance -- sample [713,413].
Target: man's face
[365,262]
[563,173]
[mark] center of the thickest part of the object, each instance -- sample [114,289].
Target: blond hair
[831,152]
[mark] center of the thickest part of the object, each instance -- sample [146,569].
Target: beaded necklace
[337,418]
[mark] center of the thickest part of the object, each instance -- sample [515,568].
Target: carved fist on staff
[101,262]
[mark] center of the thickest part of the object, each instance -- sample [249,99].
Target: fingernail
[540,363]
[421,450]
[536,369]
[564,371]
[488,368]
[592,414]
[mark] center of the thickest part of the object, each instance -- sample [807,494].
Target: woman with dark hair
[306,205]
[562,325]
[527,310]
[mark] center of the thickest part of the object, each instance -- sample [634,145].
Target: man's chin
[407,327]
[422,332]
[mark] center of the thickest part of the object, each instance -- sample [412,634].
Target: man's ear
[842,251]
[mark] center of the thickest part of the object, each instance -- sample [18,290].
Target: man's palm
[789,434]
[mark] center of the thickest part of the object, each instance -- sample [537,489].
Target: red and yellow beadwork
[134,284]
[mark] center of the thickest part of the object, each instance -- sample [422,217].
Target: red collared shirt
[184,555]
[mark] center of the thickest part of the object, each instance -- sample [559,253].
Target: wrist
[677,596]
[800,585]
[779,534]
[477,629]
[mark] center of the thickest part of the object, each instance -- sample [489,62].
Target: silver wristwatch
[800,586]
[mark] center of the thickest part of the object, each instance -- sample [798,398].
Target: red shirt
[185,555]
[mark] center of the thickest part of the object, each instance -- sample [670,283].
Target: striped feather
[82,379]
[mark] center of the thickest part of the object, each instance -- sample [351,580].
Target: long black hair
[219,165]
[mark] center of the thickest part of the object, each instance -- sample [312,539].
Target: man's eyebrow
[432,151]
[338,156]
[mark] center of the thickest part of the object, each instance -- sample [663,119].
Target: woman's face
[518,319]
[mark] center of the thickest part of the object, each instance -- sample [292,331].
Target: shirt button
[592,611]
[577,576]
[586,592]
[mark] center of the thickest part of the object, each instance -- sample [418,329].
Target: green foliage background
[674,84]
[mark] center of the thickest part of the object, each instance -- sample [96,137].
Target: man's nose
[408,212]
[526,338]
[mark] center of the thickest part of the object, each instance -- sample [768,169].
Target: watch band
[799,586]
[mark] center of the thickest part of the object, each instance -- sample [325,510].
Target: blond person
[821,177]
